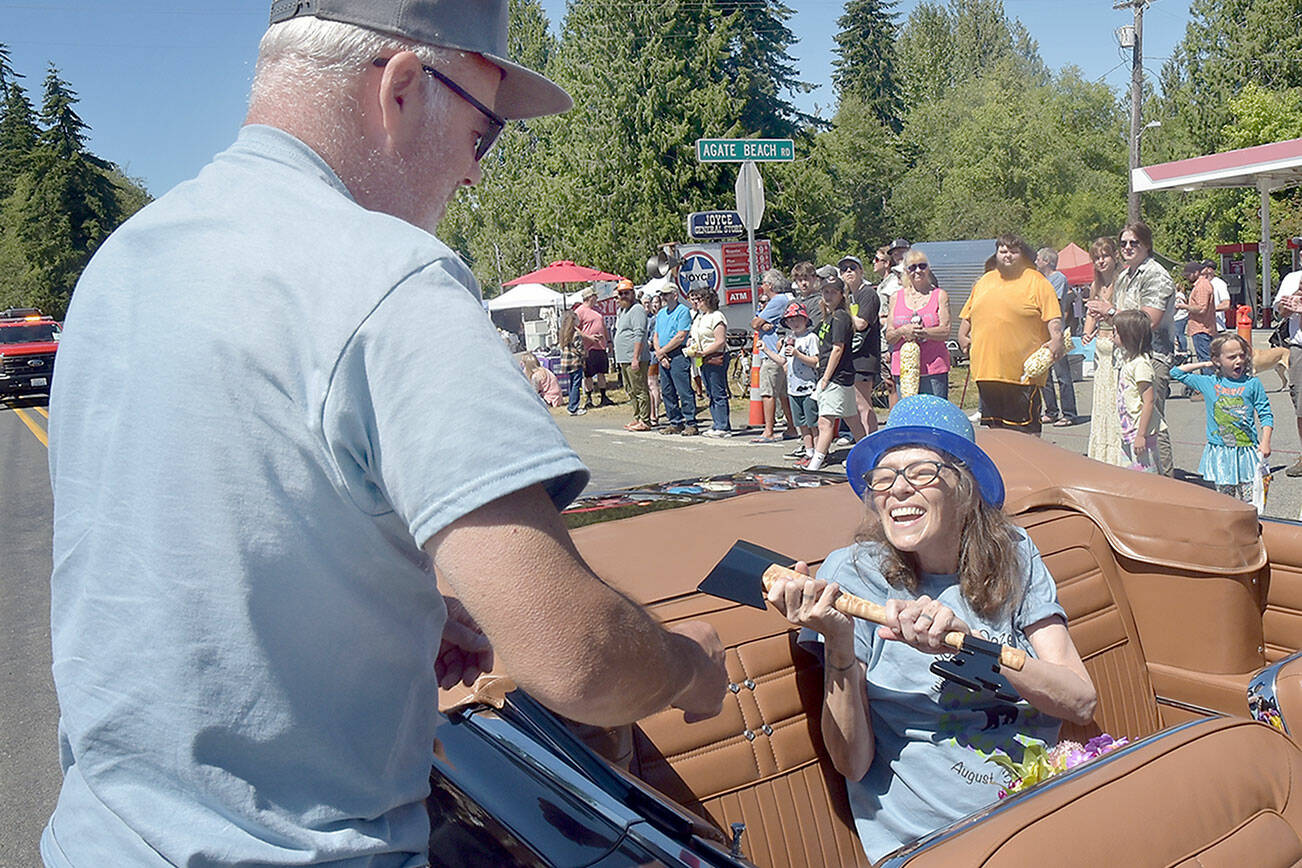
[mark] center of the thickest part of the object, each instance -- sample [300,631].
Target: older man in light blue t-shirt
[248,638]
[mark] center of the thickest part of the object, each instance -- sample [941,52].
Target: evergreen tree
[62,205]
[864,69]
[65,131]
[761,70]
[7,72]
[18,136]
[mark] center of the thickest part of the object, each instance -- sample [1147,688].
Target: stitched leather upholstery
[1219,793]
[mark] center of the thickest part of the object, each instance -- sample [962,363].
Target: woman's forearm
[1055,689]
[847,730]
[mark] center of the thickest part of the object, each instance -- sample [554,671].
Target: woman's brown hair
[1103,245]
[569,323]
[989,569]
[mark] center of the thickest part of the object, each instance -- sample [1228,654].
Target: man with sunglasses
[248,635]
[1143,284]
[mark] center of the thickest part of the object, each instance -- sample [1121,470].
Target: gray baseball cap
[478,26]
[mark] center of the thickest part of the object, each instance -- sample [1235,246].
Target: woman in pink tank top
[920,312]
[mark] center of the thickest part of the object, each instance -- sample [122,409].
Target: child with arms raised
[1233,397]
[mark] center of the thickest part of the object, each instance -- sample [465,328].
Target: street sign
[740,150]
[714,225]
[750,195]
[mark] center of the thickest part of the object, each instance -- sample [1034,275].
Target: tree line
[947,124]
[58,201]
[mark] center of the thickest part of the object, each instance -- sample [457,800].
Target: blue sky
[163,85]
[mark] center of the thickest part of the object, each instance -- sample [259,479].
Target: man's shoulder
[775,307]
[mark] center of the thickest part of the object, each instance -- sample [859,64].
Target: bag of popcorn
[1036,364]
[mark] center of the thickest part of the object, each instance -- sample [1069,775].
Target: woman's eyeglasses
[1126,244]
[917,474]
[918,266]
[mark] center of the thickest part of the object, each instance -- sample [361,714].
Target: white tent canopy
[526,295]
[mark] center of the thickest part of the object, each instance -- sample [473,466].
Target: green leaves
[58,201]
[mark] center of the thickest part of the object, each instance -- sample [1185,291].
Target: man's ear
[402,95]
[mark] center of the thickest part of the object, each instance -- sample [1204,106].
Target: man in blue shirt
[248,638]
[775,298]
[673,324]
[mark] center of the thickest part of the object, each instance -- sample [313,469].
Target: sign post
[750,205]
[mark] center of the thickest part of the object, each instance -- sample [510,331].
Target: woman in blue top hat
[938,553]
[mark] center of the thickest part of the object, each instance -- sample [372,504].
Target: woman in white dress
[1105,421]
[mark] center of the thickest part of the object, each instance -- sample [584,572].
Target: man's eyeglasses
[917,474]
[918,266]
[496,122]
[1125,243]
[850,267]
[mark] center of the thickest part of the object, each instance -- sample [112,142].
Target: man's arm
[577,645]
[965,334]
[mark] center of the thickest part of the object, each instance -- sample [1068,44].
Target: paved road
[29,765]
[618,459]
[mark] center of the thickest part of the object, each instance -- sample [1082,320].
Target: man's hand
[703,697]
[465,652]
[635,364]
[1098,306]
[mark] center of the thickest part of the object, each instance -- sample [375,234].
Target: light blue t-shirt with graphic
[926,771]
[267,400]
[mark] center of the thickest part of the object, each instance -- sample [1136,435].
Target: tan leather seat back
[761,761]
[1219,792]
[1100,622]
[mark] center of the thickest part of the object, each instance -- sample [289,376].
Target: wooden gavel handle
[858,607]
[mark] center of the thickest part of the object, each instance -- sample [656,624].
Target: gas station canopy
[1270,167]
[1265,167]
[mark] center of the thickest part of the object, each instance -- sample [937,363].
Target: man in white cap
[248,638]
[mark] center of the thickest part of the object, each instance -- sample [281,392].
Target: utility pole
[1136,99]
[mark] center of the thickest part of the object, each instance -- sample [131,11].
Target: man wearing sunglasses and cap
[248,639]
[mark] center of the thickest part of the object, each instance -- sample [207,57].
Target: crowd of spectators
[835,343]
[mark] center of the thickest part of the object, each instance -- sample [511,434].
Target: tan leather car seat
[1217,793]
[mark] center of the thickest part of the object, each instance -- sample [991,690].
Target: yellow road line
[44,412]
[36,429]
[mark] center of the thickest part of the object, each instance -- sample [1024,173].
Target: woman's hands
[921,623]
[811,603]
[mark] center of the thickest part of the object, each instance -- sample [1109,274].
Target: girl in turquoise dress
[1233,398]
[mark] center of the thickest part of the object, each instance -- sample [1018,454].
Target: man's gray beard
[385,181]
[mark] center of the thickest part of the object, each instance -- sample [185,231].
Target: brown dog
[1272,357]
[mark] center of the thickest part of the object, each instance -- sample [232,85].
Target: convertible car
[1186,608]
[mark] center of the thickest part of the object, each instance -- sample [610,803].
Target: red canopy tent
[1075,264]
[564,271]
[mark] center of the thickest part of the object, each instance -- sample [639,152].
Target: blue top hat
[933,423]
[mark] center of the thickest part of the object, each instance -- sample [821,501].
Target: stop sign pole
[750,205]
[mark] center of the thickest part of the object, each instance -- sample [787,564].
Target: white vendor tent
[526,295]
